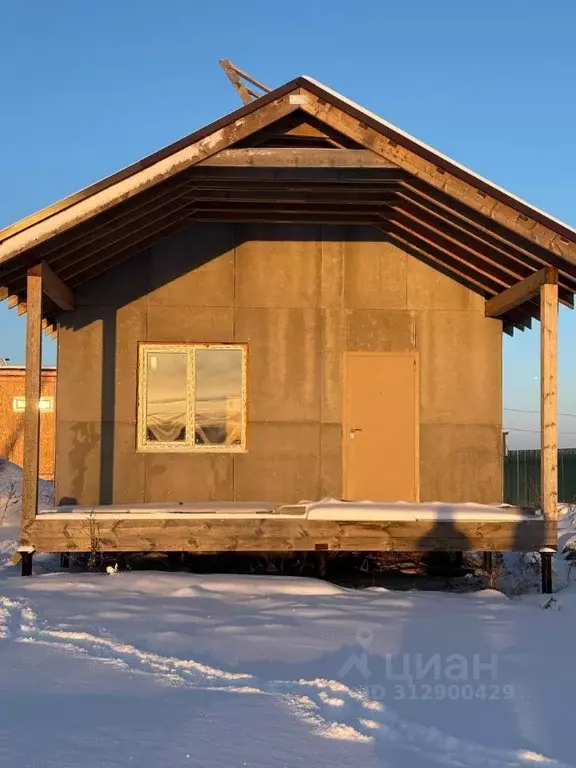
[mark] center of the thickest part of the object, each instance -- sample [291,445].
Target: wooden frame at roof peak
[298,129]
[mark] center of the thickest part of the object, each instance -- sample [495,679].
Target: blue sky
[89,86]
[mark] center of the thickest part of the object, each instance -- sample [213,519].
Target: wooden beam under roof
[519,293]
[297,158]
[53,287]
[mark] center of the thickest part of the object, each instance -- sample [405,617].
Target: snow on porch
[327,509]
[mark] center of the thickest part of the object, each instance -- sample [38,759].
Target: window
[44,404]
[192,397]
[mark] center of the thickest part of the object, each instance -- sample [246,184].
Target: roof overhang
[378,175]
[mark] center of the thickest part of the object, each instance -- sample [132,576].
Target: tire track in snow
[331,708]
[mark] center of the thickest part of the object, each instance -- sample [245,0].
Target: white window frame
[185,446]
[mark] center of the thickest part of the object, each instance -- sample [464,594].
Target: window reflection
[218,397]
[166,397]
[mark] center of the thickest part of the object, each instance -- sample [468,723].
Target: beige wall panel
[126,283]
[331,461]
[130,328]
[380,330]
[460,462]
[79,391]
[188,324]
[194,267]
[331,355]
[332,272]
[427,288]
[374,272]
[282,271]
[78,461]
[282,463]
[460,367]
[284,276]
[189,477]
[283,362]
[129,472]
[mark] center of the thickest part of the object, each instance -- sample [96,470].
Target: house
[12,404]
[295,302]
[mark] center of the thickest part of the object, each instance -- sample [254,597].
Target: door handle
[353,430]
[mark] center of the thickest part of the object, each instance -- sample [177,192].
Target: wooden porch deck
[286,528]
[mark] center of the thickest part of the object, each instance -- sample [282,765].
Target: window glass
[218,396]
[166,409]
[192,397]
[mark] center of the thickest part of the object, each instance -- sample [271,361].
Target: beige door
[380,426]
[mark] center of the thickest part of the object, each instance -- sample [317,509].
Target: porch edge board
[106,534]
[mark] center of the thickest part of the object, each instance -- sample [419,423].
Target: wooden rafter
[494,233]
[146,178]
[443,240]
[438,172]
[125,240]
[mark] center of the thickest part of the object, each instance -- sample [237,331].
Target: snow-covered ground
[172,669]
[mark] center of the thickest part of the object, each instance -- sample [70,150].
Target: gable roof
[447,213]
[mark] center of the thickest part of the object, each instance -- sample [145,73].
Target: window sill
[190,450]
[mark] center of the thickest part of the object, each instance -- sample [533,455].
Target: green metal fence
[522,477]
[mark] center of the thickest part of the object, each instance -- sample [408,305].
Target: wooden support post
[549,404]
[546,557]
[32,409]
[27,563]
[489,562]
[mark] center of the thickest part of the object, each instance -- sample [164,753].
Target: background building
[12,402]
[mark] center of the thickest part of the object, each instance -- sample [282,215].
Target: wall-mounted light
[44,404]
